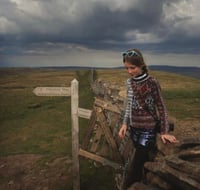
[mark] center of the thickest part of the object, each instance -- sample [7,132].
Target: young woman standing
[144,106]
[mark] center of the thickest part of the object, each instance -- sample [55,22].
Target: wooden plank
[104,150]
[107,105]
[108,134]
[96,140]
[52,91]
[88,133]
[128,149]
[75,135]
[84,113]
[103,161]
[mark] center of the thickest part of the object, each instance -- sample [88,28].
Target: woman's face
[133,70]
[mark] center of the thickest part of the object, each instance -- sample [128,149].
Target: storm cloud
[65,28]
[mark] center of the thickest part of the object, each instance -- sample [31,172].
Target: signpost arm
[75,134]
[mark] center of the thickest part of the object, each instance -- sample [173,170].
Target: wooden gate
[101,142]
[175,166]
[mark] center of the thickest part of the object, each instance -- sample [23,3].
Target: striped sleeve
[127,114]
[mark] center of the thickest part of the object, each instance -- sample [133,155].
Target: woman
[144,106]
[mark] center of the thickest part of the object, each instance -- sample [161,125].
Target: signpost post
[75,113]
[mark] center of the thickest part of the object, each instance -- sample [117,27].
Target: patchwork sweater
[144,103]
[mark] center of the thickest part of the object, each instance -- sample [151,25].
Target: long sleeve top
[145,103]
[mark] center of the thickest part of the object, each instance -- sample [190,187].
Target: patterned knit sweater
[144,103]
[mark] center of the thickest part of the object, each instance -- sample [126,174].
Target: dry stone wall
[175,166]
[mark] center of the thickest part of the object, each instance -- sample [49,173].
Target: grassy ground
[42,125]
[31,125]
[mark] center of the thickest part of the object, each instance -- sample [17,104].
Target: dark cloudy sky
[94,32]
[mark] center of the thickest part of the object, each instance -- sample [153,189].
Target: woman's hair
[135,59]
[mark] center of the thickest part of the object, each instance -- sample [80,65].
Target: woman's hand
[122,131]
[168,138]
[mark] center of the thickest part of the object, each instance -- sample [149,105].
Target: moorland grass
[29,123]
[42,125]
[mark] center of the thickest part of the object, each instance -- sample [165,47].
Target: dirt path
[32,172]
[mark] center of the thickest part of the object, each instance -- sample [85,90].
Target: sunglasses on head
[130,53]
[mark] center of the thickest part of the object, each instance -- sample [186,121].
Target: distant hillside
[187,71]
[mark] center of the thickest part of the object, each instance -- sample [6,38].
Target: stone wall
[175,167]
[113,94]
[109,91]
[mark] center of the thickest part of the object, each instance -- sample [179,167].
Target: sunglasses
[130,54]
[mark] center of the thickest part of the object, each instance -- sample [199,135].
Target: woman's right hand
[122,131]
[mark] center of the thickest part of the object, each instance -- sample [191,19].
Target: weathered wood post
[75,134]
[76,112]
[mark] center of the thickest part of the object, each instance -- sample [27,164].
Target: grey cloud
[94,24]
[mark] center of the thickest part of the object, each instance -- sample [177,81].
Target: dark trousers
[136,172]
[143,152]
[141,156]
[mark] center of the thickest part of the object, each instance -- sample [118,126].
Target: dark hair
[136,59]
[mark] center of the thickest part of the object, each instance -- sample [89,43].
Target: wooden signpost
[52,91]
[76,112]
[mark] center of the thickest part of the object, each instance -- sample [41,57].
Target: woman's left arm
[160,106]
[165,137]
